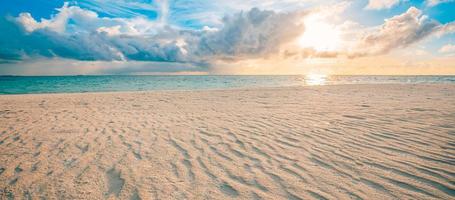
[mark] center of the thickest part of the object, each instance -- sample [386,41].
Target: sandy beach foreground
[318,142]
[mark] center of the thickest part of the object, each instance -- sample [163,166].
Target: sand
[316,142]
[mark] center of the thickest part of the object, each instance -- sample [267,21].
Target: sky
[372,37]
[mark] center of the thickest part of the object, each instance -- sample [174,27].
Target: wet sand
[317,142]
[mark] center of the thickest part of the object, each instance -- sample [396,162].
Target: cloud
[195,14]
[60,66]
[444,29]
[122,8]
[401,31]
[397,32]
[381,4]
[448,48]
[75,20]
[249,34]
[80,34]
[432,3]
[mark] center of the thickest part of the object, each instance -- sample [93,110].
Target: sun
[319,35]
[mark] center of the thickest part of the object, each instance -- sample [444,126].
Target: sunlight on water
[315,79]
[68,84]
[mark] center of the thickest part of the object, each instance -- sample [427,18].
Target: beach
[364,141]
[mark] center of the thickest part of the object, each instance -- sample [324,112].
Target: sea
[114,83]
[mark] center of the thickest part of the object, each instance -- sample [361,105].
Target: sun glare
[319,35]
[315,79]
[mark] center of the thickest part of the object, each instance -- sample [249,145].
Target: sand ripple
[328,142]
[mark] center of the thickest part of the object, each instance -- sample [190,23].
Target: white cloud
[448,48]
[110,31]
[59,66]
[81,34]
[400,31]
[381,4]
[75,33]
[57,23]
[431,3]
[210,29]
[397,32]
[211,12]
[83,20]
[253,33]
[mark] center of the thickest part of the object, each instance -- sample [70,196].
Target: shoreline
[233,89]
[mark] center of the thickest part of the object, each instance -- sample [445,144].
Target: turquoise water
[69,84]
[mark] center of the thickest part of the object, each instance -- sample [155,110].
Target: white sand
[320,142]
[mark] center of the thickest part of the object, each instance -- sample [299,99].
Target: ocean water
[71,84]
